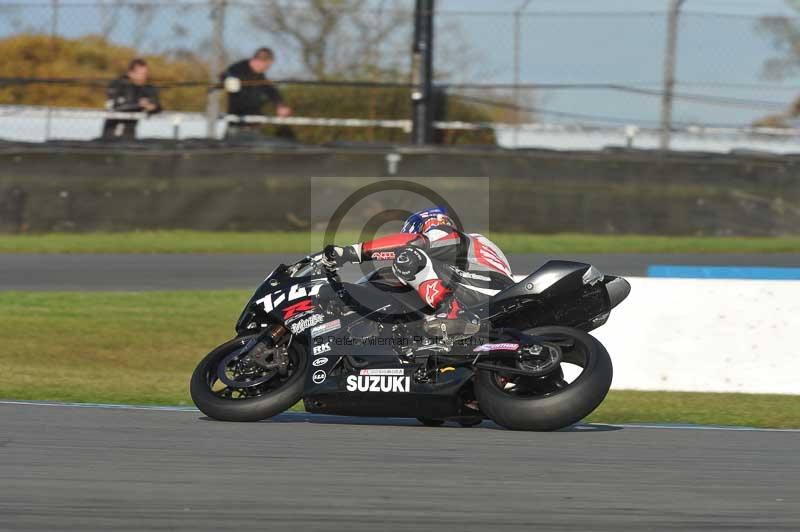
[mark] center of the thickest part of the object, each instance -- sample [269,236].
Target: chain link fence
[568,71]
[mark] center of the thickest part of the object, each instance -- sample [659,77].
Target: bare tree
[785,35]
[143,15]
[10,13]
[784,32]
[371,40]
[340,38]
[459,61]
[109,16]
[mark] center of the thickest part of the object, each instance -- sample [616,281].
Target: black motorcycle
[358,349]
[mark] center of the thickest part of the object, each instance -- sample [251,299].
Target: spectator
[130,93]
[248,89]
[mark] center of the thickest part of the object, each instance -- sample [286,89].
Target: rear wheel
[550,402]
[229,385]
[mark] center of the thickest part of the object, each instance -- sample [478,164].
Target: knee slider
[408,262]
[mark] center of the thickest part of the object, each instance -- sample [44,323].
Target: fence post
[517,36]
[422,72]
[216,64]
[669,73]
[54,4]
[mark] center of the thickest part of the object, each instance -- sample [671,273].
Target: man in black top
[248,88]
[130,93]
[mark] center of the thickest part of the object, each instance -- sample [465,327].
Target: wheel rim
[228,377]
[575,355]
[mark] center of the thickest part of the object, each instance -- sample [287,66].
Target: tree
[362,39]
[340,38]
[784,33]
[93,61]
[109,16]
[91,58]
[376,103]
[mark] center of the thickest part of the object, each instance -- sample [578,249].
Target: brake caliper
[270,358]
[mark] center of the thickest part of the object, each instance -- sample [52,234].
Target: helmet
[421,221]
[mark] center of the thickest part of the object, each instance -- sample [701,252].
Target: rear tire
[559,408]
[251,408]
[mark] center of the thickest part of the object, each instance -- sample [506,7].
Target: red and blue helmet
[421,221]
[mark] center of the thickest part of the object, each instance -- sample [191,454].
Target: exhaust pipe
[618,289]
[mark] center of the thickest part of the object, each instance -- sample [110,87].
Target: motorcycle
[358,349]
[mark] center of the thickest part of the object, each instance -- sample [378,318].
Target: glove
[232,84]
[335,256]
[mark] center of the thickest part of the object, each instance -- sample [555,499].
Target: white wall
[30,124]
[720,140]
[706,336]
[36,124]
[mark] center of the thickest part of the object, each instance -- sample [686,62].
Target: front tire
[429,422]
[265,404]
[546,405]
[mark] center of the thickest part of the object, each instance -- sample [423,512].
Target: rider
[450,269]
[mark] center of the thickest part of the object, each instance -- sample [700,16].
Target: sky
[720,51]
[623,42]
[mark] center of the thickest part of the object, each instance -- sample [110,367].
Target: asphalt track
[216,271]
[78,468]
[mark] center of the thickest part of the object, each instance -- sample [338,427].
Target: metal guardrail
[403,124]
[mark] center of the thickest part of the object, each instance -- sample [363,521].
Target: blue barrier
[723,272]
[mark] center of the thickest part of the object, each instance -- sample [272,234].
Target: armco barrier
[706,335]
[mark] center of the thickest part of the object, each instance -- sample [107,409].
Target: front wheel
[430,422]
[550,402]
[229,385]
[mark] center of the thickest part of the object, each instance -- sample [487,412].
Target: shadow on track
[322,419]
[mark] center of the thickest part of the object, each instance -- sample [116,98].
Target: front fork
[266,351]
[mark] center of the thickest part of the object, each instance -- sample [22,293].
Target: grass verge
[299,242]
[140,348]
[737,409]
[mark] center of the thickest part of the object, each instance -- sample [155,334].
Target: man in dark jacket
[130,93]
[248,88]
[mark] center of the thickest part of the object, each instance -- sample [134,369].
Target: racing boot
[452,319]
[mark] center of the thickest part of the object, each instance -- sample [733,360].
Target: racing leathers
[449,269]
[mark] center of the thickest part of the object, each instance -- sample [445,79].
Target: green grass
[299,242]
[749,410]
[110,346]
[140,348]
